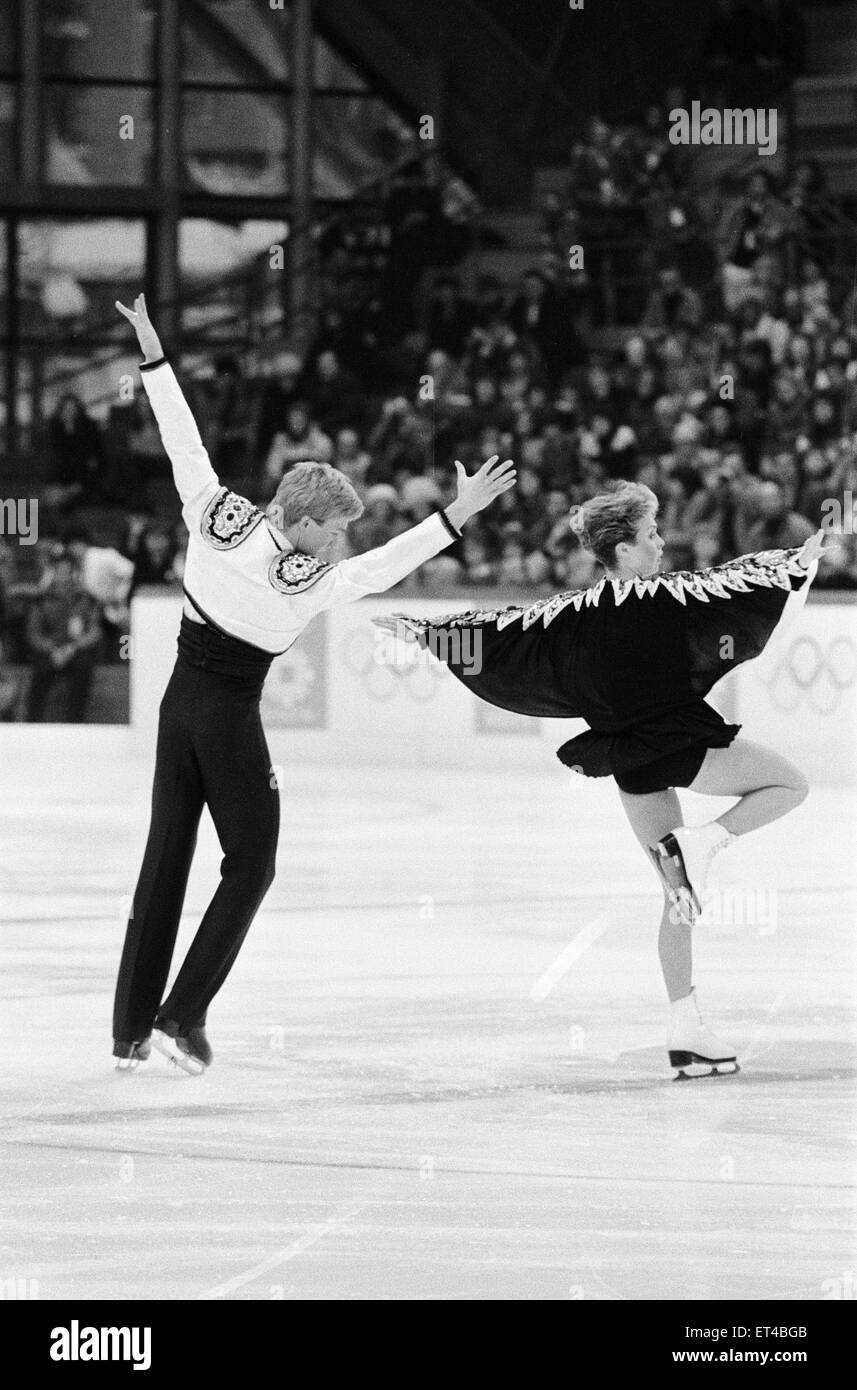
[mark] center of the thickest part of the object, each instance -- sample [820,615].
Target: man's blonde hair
[316,490]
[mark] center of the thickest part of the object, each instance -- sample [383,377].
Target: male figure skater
[253,580]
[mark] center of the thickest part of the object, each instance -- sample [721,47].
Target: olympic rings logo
[808,671]
[417,673]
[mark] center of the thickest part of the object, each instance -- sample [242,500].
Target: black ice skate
[694,1050]
[673,871]
[655,857]
[130,1054]
[684,858]
[189,1050]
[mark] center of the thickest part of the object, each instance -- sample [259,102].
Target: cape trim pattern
[293,572]
[768,569]
[228,520]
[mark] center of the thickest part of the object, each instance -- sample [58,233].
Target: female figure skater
[252,582]
[633,656]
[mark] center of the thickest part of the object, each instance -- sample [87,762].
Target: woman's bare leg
[769,786]
[652,816]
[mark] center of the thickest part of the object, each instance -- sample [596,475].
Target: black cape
[633,658]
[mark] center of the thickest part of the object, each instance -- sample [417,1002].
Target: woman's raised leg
[769,786]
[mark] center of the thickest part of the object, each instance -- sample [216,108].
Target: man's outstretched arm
[194,477]
[325,585]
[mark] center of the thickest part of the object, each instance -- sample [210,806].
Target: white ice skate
[190,1050]
[693,1049]
[684,858]
[130,1055]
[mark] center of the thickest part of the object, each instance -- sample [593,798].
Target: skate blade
[680,899]
[698,1069]
[127,1064]
[674,874]
[656,860]
[168,1048]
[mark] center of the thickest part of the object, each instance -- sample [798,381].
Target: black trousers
[211,752]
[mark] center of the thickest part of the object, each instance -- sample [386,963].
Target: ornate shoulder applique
[228,520]
[293,572]
[471,618]
[770,569]
[503,618]
[546,609]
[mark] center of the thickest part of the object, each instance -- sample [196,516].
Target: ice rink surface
[439,1069]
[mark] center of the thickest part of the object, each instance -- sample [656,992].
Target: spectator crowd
[66,612]
[730,391]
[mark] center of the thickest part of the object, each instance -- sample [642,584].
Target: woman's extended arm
[812,548]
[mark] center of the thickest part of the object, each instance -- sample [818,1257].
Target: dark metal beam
[164,273]
[301,276]
[30,108]
[30,144]
[226,43]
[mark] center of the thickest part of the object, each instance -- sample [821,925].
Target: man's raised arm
[314,584]
[195,479]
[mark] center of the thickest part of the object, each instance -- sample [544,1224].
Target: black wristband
[456,535]
[150,366]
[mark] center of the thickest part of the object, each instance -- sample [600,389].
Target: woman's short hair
[604,521]
[316,490]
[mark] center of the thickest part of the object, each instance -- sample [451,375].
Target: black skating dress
[633,658]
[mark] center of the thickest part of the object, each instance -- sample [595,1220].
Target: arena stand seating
[728,385]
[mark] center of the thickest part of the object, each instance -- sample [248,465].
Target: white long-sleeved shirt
[243,573]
